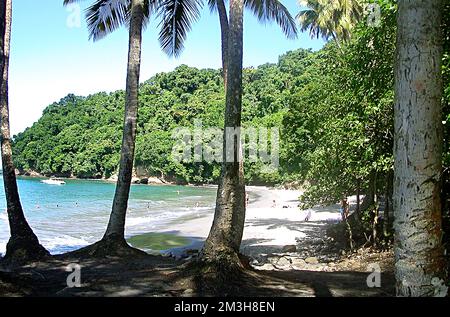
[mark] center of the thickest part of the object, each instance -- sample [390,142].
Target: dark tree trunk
[225,237]
[357,213]
[388,204]
[368,200]
[375,211]
[23,245]
[419,254]
[116,225]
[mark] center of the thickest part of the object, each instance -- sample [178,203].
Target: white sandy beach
[273,221]
[268,227]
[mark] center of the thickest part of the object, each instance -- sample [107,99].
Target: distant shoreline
[152,180]
[135,181]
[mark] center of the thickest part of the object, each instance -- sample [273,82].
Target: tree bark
[419,254]
[375,211]
[358,198]
[23,244]
[223,242]
[224,30]
[116,225]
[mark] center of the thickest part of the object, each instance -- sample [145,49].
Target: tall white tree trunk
[420,265]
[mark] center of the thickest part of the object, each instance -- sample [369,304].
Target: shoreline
[273,222]
[269,228]
[152,180]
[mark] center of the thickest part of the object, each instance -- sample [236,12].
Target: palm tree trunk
[23,244]
[420,266]
[224,240]
[116,225]
[224,30]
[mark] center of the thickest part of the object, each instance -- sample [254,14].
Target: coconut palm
[330,18]
[23,244]
[103,17]
[225,236]
[223,242]
[224,239]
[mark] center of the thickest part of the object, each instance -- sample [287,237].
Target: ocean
[68,217]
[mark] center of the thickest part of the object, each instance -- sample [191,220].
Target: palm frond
[177,17]
[67,2]
[105,16]
[273,10]
[212,4]
[330,19]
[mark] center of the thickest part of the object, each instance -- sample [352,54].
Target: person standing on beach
[344,209]
[308,215]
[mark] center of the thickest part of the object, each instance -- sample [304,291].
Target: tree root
[107,247]
[23,250]
[219,276]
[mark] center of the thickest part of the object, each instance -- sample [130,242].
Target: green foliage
[80,136]
[339,128]
[330,19]
[340,124]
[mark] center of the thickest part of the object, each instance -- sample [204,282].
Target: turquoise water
[67,217]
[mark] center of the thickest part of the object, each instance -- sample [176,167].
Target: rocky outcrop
[148,180]
[29,173]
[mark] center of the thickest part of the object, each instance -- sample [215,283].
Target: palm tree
[420,264]
[23,244]
[103,17]
[223,243]
[224,239]
[330,18]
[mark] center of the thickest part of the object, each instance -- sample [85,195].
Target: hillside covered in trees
[80,136]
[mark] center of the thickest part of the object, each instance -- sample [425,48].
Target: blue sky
[50,59]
